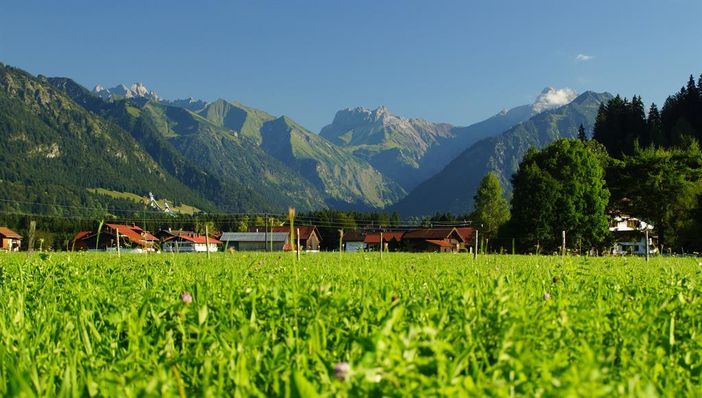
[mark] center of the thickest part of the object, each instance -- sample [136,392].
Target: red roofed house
[11,240]
[131,237]
[468,235]
[353,241]
[393,239]
[433,240]
[190,243]
[309,236]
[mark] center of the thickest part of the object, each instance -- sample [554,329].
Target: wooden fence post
[341,241]
[119,254]
[298,243]
[647,251]
[207,242]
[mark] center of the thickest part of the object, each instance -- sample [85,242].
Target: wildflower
[186,298]
[341,370]
[547,296]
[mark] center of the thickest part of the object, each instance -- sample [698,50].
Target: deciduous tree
[491,208]
[560,188]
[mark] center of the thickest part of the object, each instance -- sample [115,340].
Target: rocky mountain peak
[381,112]
[136,90]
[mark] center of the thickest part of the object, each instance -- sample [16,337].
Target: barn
[433,240]
[255,241]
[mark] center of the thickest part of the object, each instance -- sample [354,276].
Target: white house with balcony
[630,236]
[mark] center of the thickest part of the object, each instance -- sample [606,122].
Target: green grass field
[412,325]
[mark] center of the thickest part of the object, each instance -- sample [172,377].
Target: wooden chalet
[393,240]
[468,235]
[11,240]
[353,241]
[131,238]
[432,240]
[309,236]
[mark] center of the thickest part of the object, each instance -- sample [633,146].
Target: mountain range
[226,156]
[412,150]
[452,189]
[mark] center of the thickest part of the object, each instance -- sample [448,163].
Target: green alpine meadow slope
[341,179]
[234,155]
[53,149]
[236,117]
[453,188]
[348,182]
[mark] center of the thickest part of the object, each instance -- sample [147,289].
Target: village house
[132,238]
[468,235]
[630,236]
[309,236]
[353,241]
[180,241]
[256,241]
[184,243]
[432,240]
[392,240]
[11,240]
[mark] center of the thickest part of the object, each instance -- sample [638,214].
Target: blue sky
[448,61]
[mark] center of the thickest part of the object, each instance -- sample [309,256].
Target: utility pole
[265,235]
[563,246]
[32,231]
[647,251]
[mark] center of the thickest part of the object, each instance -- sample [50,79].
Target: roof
[254,237]
[194,239]
[623,223]
[133,233]
[305,230]
[467,233]
[82,234]
[374,237]
[8,233]
[441,243]
[432,233]
[353,236]
[177,232]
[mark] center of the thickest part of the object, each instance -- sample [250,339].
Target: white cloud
[553,98]
[583,57]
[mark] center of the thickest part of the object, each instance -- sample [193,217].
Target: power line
[322,221]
